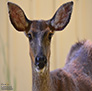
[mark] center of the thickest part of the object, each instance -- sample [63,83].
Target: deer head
[40,32]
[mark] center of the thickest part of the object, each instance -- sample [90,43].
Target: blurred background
[15,63]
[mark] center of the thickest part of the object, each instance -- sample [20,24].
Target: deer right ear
[17,17]
[61,17]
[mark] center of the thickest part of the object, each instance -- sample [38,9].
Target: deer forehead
[39,25]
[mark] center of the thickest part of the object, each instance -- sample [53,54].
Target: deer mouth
[40,65]
[41,70]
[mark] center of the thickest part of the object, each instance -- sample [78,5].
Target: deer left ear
[17,17]
[62,17]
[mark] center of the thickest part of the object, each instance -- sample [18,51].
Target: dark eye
[50,35]
[29,36]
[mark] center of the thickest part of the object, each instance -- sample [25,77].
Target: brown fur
[77,73]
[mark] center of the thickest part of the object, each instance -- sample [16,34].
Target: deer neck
[41,81]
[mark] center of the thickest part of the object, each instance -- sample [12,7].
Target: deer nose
[40,61]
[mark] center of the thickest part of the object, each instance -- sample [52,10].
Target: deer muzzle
[40,62]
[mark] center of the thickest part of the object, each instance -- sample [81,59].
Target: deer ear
[62,16]
[17,17]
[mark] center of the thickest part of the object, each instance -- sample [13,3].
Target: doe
[77,72]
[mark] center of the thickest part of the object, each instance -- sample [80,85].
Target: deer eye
[50,36]
[29,36]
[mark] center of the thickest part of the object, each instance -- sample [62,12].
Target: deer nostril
[40,61]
